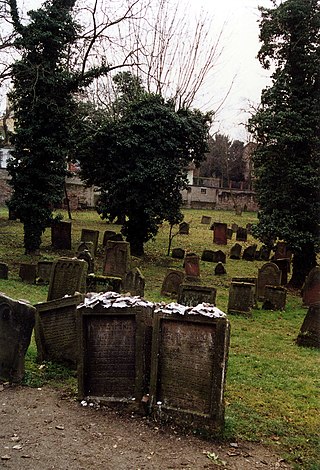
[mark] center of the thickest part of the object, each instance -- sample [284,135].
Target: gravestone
[282,251]
[265,253]
[205,219]
[249,280]
[86,246]
[88,235]
[310,330]
[249,253]
[87,257]
[241,298]
[171,283]
[4,271]
[100,283]
[242,234]
[219,270]
[192,295]
[116,238]
[207,255]
[107,235]
[284,266]
[67,277]
[235,251]
[229,233]
[269,274]
[61,235]
[188,369]
[178,253]
[55,330]
[184,228]
[219,256]
[134,282]
[16,324]
[115,335]
[28,272]
[234,227]
[311,287]
[192,267]
[117,258]
[44,269]
[274,298]
[220,233]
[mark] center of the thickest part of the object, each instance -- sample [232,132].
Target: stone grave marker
[44,269]
[88,235]
[115,335]
[55,330]
[311,287]
[282,251]
[310,330]
[284,266]
[229,233]
[274,298]
[220,233]
[188,368]
[134,282]
[192,267]
[61,235]
[184,228]
[219,270]
[86,246]
[242,234]
[178,253]
[192,295]
[205,219]
[234,227]
[219,256]
[28,272]
[16,324]
[100,283]
[117,258]
[87,257]
[4,271]
[207,255]
[269,274]
[116,238]
[67,277]
[235,251]
[249,253]
[107,235]
[171,283]
[241,298]
[249,280]
[265,253]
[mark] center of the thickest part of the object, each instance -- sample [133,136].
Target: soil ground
[47,429]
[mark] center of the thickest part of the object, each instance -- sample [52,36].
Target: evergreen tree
[286,128]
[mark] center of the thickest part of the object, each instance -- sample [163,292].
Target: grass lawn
[272,394]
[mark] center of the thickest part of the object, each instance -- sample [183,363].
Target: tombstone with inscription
[117,258]
[88,235]
[311,287]
[172,282]
[284,266]
[219,256]
[16,324]
[100,283]
[4,271]
[274,298]
[235,251]
[207,255]
[184,228]
[310,330]
[55,330]
[219,269]
[189,360]
[67,277]
[241,298]
[115,335]
[249,280]
[220,233]
[242,234]
[249,253]
[28,272]
[205,219]
[61,235]
[87,257]
[134,282]
[44,269]
[269,274]
[192,295]
[192,267]
[107,235]
[178,253]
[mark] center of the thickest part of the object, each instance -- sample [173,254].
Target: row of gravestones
[127,350]
[221,232]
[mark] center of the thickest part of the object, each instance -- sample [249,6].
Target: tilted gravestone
[242,234]
[44,269]
[241,298]
[100,283]
[88,235]
[55,330]
[188,368]
[184,228]
[16,324]
[205,219]
[87,257]
[171,283]
[219,269]
[220,233]
[115,348]
[284,266]
[249,253]
[274,298]
[235,251]
[107,235]
[4,271]
[117,258]
[178,253]
[192,295]
[310,330]
[192,267]
[61,235]
[269,274]
[28,272]
[311,287]
[134,282]
[67,277]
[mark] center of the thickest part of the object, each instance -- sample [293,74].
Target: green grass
[272,390]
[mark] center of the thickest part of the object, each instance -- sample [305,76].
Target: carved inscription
[68,276]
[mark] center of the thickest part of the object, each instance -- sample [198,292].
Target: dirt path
[42,429]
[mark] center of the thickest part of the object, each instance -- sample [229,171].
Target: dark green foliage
[287,131]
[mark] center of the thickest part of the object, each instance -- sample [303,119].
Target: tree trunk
[303,262]
[32,237]
[136,247]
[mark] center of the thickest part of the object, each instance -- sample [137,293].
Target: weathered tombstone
[249,253]
[219,256]
[86,246]
[284,266]
[269,274]
[116,238]
[205,219]
[117,258]
[207,255]
[88,235]
[115,348]
[229,233]
[67,277]
[234,227]
[192,295]
[219,270]
[265,253]
[4,271]
[178,253]
[192,267]
[188,368]
[235,251]
[44,269]
[242,234]
[249,280]
[99,283]
[28,272]
[184,228]
[282,251]
[241,298]
[171,283]
[16,324]
[87,257]
[310,330]
[55,330]
[107,235]
[311,287]
[61,235]
[220,233]
[134,282]
[274,298]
